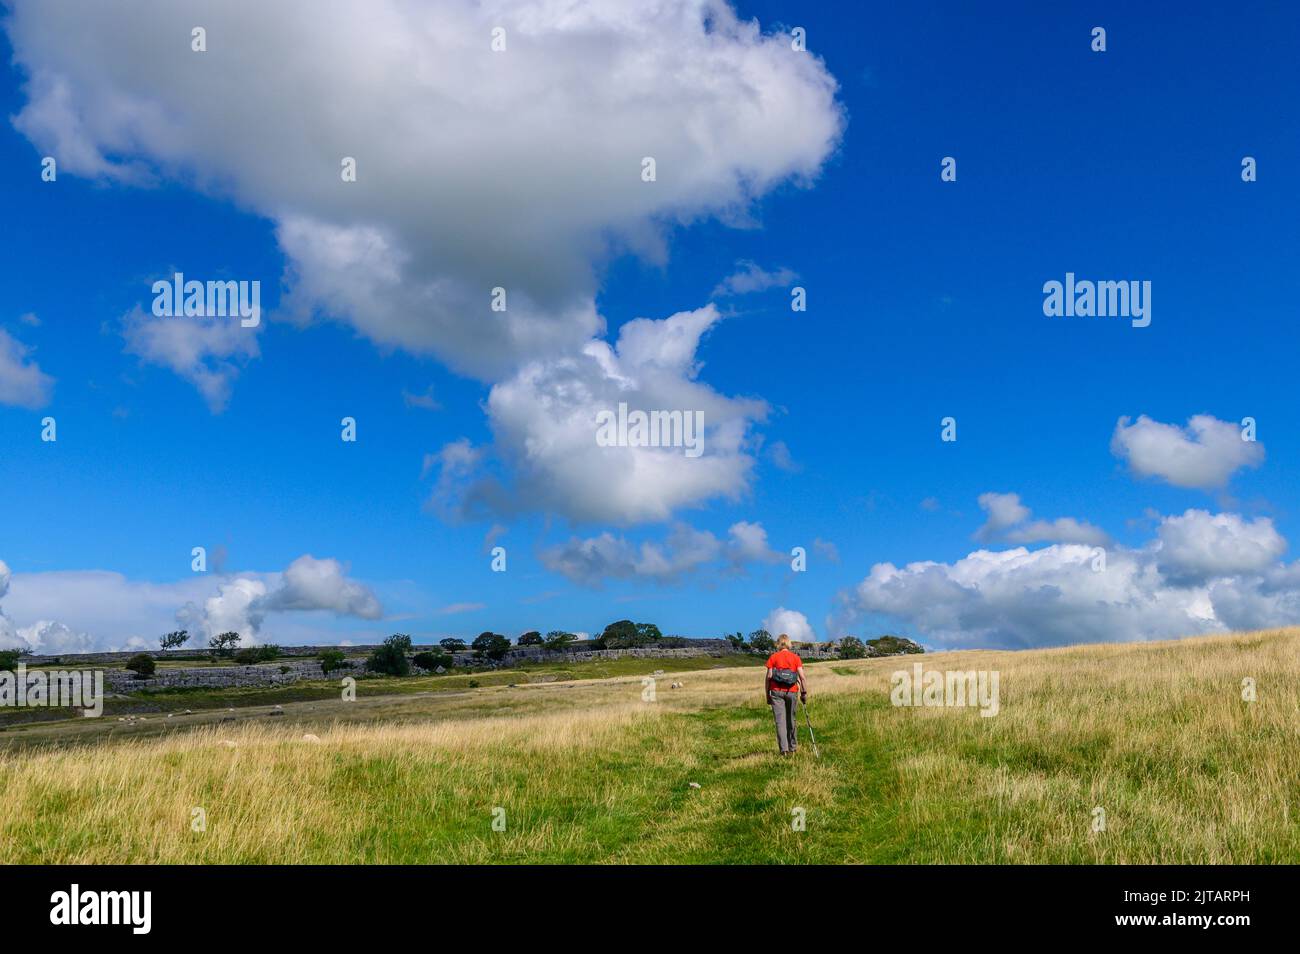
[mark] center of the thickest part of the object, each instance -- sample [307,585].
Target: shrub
[257,654]
[761,641]
[9,659]
[452,644]
[390,658]
[142,665]
[332,659]
[737,640]
[852,648]
[430,661]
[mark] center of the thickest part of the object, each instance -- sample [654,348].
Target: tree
[737,640]
[9,659]
[142,665]
[390,658]
[452,644]
[890,645]
[558,639]
[175,640]
[332,659]
[852,648]
[625,634]
[531,638]
[491,645]
[617,634]
[223,644]
[761,641]
[647,633]
[430,661]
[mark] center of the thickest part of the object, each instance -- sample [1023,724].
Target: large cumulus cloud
[545,423]
[1201,573]
[476,168]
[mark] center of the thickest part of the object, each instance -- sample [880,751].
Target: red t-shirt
[783,659]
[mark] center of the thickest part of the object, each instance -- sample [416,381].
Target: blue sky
[924,301]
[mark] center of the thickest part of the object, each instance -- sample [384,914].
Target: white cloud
[1201,574]
[780,455]
[748,544]
[1060,530]
[1004,510]
[1199,546]
[312,584]
[1007,518]
[52,638]
[791,622]
[593,560]
[469,177]
[1203,455]
[22,382]
[207,352]
[750,277]
[234,608]
[9,638]
[544,420]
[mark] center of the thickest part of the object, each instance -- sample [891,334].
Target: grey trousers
[784,710]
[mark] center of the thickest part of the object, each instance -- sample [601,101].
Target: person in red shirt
[782,684]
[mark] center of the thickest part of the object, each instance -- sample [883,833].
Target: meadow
[1156,736]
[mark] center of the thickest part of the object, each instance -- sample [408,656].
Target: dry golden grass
[1156,734]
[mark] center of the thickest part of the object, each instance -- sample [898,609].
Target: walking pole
[808,719]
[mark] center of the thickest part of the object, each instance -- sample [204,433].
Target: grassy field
[1157,735]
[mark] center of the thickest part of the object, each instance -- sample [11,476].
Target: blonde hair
[783,641]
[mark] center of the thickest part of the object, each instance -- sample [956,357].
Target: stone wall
[537,654]
[228,677]
[95,659]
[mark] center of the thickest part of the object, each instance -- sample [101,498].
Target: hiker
[783,680]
